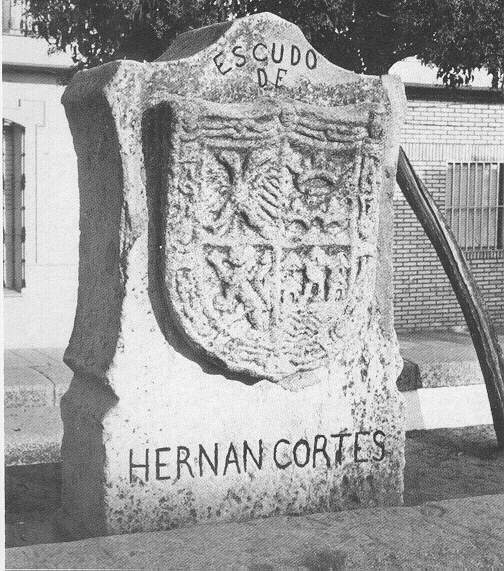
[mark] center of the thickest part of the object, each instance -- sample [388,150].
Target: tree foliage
[369,36]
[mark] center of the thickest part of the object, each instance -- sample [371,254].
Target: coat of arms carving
[268,217]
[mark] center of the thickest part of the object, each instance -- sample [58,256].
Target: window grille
[13,206]
[475,204]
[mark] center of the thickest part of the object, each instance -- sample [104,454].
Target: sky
[411,70]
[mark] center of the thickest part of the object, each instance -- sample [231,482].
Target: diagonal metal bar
[463,283]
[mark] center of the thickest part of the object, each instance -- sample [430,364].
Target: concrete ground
[444,358]
[34,377]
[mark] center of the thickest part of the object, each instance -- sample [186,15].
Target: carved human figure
[315,272]
[339,276]
[292,284]
[236,271]
[262,282]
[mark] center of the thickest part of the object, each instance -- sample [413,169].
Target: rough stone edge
[409,379]
[196,42]
[83,409]
[394,89]
[191,42]
[90,93]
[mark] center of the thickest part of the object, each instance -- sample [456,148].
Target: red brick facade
[436,132]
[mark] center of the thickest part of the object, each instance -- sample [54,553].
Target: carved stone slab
[271,216]
[233,347]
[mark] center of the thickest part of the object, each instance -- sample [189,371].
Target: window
[13,206]
[475,204]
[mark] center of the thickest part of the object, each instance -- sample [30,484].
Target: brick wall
[436,132]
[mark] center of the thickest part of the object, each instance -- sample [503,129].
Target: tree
[369,36]
[458,36]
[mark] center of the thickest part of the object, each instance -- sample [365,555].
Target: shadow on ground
[440,464]
[452,463]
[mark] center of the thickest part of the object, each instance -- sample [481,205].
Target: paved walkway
[443,358]
[34,377]
[34,381]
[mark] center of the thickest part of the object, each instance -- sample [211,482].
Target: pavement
[35,380]
[34,377]
[443,358]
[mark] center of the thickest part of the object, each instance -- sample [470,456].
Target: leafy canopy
[369,36]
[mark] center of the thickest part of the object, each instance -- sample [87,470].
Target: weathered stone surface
[409,379]
[270,229]
[233,347]
[455,534]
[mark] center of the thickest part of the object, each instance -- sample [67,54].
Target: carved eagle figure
[252,194]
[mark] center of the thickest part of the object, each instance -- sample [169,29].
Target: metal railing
[475,204]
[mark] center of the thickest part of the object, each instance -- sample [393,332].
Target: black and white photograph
[253,278]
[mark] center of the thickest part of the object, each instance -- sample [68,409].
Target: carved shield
[267,222]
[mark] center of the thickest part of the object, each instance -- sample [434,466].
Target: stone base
[206,448]
[451,534]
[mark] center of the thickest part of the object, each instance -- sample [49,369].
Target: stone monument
[233,347]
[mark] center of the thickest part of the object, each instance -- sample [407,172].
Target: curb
[32,435]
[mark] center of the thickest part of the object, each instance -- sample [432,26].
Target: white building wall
[41,315]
